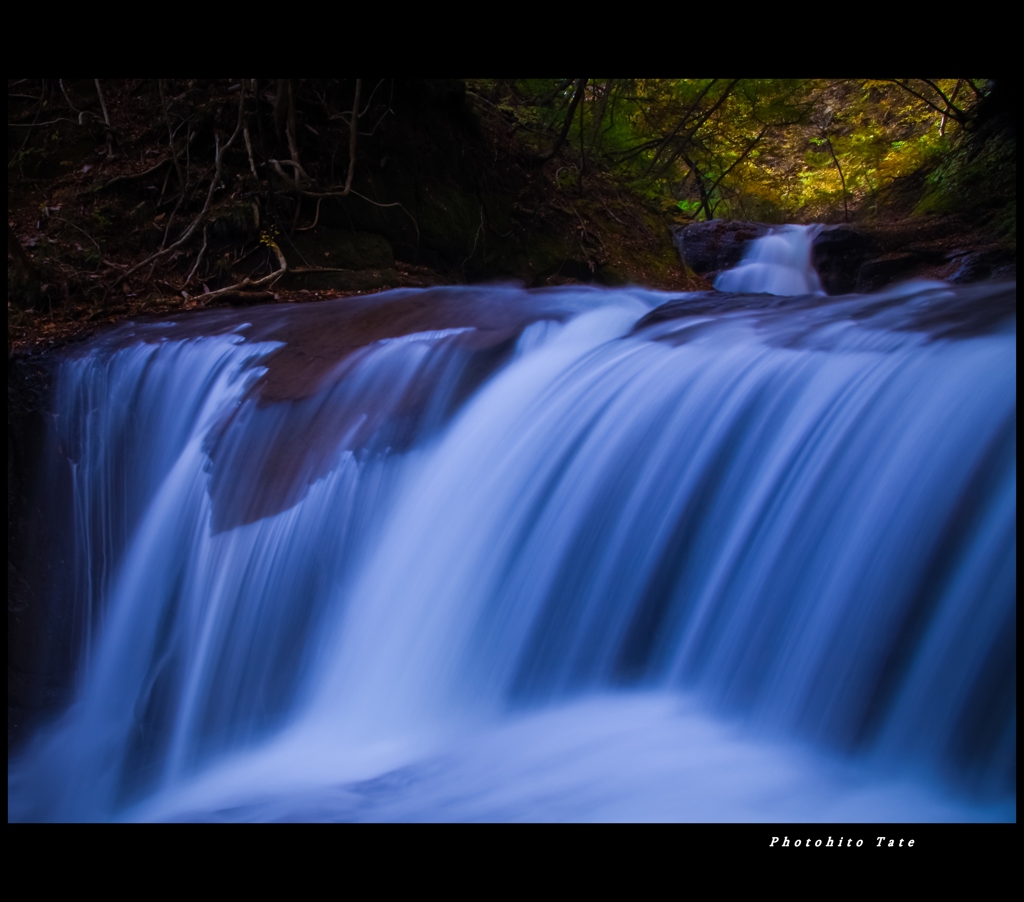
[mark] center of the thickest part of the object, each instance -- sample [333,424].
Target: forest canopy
[766,149]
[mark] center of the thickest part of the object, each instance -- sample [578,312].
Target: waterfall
[778,263]
[570,554]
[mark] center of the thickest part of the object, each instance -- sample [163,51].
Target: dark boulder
[878,272]
[710,247]
[838,255]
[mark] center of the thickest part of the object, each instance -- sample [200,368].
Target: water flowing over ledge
[571,554]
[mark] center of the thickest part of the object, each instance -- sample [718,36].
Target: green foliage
[759,148]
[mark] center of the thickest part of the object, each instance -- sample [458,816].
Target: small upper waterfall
[778,263]
[484,553]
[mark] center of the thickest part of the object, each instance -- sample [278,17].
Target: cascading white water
[736,559]
[778,263]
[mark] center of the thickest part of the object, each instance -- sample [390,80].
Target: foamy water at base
[624,757]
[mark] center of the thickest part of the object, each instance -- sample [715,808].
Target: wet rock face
[985,263]
[709,247]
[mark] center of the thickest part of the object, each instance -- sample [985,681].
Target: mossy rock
[978,180]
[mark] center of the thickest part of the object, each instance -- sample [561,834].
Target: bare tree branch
[546,99]
[353,133]
[250,283]
[219,160]
[248,150]
[741,157]
[948,101]
[842,178]
[682,121]
[106,119]
[956,116]
[576,98]
[135,175]
[199,259]
[170,138]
